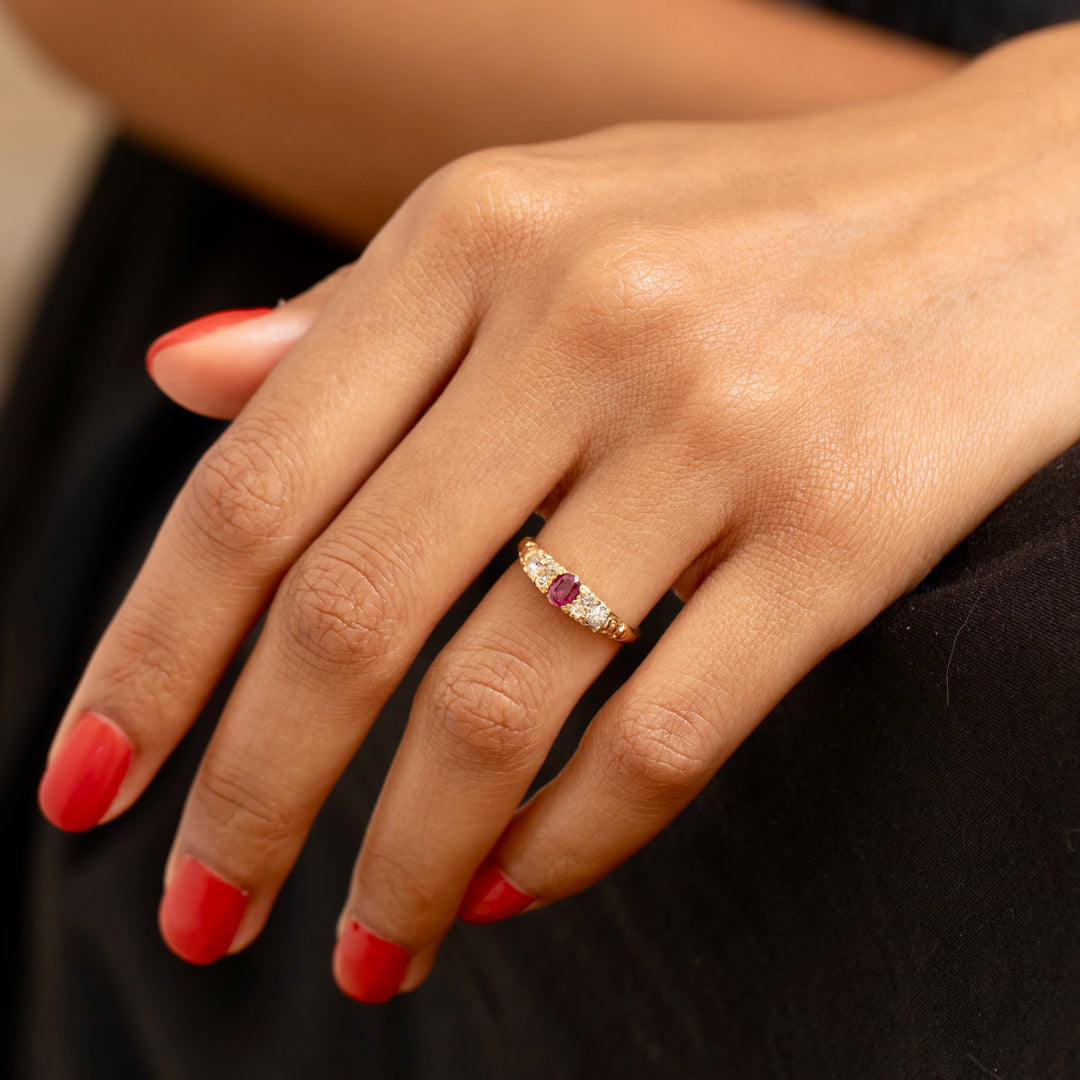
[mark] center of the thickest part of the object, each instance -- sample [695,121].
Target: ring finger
[484,720]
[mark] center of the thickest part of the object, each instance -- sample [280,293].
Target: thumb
[213,365]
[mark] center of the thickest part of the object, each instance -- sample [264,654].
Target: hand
[781,367]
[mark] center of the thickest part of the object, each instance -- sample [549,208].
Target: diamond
[533,565]
[597,615]
[564,590]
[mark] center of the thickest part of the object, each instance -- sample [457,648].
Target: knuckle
[340,606]
[484,706]
[231,800]
[403,889]
[662,751]
[752,393]
[637,290]
[569,867]
[238,499]
[823,520]
[149,663]
[496,198]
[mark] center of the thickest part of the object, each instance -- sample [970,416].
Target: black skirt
[884,881]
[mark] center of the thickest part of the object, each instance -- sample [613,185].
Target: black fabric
[967,25]
[882,883]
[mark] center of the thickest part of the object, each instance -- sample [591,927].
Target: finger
[749,633]
[213,365]
[484,719]
[319,426]
[343,629]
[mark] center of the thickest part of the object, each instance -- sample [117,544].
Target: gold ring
[570,596]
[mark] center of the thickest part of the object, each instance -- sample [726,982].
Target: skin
[337,109]
[794,363]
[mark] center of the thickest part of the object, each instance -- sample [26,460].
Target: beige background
[50,132]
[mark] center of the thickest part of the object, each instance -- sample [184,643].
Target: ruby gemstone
[564,590]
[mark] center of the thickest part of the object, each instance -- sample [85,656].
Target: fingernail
[81,782]
[366,967]
[490,897]
[200,913]
[198,328]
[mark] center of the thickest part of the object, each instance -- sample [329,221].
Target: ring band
[566,592]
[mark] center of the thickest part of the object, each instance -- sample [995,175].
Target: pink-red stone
[564,590]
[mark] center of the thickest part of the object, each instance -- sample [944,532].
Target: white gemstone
[577,609]
[596,616]
[533,565]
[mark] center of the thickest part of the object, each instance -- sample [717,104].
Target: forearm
[337,108]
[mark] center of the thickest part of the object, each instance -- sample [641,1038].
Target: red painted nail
[198,328]
[200,913]
[84,776]
[490,897]
[366,967]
